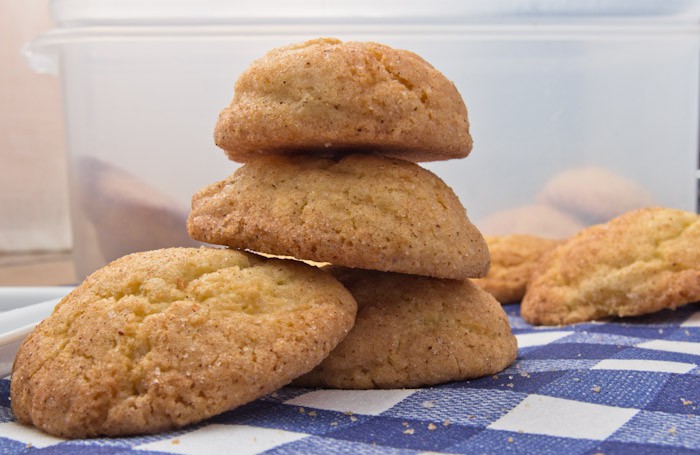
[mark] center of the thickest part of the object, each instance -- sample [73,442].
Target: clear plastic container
[579,110]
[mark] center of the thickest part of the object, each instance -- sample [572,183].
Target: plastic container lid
[71,13]
[88,21]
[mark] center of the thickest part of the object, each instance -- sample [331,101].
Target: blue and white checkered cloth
[626,386]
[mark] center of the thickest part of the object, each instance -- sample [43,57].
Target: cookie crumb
[334,423]
[404,424]
[510,439]
[409,431]
[353,419]
[312,413]
[302,410]
[175,441]
[431,426]
[686,402]
[446,423]
[672,430]
[596,388]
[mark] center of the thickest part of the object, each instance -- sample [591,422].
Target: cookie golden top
[640,262]
[361,211]
[327,95]
[165,338]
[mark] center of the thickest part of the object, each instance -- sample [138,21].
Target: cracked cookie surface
[165,338]
[361,211]
[414,331]
[328,96]
[640,262]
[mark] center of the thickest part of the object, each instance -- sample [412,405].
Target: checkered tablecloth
[627,386]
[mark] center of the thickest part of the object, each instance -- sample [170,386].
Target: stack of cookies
[329,134]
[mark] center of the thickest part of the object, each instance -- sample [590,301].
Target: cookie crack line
[138,320]
[655,261]
[396,76]
[652,266]
[180,283]
[685,227]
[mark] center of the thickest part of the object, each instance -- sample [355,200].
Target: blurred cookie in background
[537,219]
[126,213]
[513,259]
[594,194]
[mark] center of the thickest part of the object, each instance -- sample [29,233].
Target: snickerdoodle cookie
[164,338]
[413,331]
[536,219]
[327,96]
[513,258]
[360,211]
[593,194]
[640,262]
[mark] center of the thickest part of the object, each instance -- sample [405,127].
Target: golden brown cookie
[413,331]
[513,258]
[537,219]
[593,194]
[640,262]
[361,211]
[164,338]
[328,96]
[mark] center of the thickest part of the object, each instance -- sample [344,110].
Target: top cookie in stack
[325,95]
[329,133]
